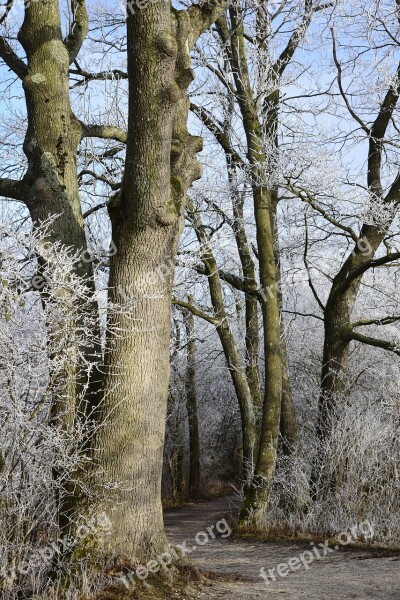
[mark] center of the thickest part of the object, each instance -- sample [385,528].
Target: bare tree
[372,246]
[251,79]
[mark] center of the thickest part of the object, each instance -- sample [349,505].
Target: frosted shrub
[41,447]
[362,455]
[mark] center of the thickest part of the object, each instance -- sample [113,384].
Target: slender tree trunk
[191,403]
[234,360]
[289,427]
[175,459]
[288,421]
[251,308]
[257,494]
[176,473]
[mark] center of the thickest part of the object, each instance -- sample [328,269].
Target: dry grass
[180,582]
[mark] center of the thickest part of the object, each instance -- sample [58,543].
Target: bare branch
[233,280]
[11,59]
[340,84]
[305,196]
[295,39]
[388,105]
[113,74]
[14,190]
[382,321]
[370,264]
[8,7]
[106,132]
[196,311]
[217,130]
[94,209]
[299,314]
[305,260]
[79,30]
[371,341]
[113,185]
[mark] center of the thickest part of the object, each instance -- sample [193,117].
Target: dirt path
[235,564]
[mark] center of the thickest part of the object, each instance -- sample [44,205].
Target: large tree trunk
[160,166]
[346,285]
[51,143]
[130,442]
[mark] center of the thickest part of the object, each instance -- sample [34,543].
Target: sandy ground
[235,564]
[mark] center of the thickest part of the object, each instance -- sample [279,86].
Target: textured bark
[257,495]
[288,419]
[51,142]
[50,188]
[160,166]
[53,132]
